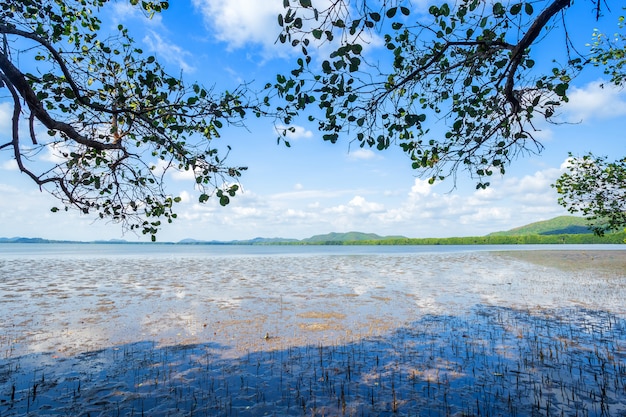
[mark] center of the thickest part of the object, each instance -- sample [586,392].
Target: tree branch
[435,58]
[17,79]
[527,40]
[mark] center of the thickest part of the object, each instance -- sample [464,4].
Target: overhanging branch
[527,40]
[17,79]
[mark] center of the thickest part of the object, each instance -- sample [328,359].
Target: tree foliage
[596,188]
[467,66]
[593,185]
[609,52]
[114,120]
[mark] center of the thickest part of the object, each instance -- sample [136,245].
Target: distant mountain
[347,237]
[267,240]
[255,241]
[191,241]
[24,240]
[561,225]
[327,238]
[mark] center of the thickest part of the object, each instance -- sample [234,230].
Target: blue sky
[316,187]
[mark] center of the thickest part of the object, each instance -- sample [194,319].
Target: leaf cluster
[467,68]
[112,116]
[596,188]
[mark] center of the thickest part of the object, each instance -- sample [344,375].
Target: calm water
[59,303]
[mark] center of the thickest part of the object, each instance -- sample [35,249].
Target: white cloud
[156,37]
[6,111]
[182,175]
[162,166]
[507,203]
[124,12]
[362,154]
[486,215]
[293,132]
[421,212]
[357,205]
[241,22]
[185,197]
[421,188]
[170,52]
[54,153]
[10,165]
[597,100]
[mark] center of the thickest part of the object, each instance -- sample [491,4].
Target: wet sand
[503,333]
[609,262]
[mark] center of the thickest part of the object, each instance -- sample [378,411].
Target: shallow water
[123,329]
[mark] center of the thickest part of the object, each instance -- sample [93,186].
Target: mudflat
[602,261]
[129,330]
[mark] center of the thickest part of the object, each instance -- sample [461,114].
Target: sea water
[180,329]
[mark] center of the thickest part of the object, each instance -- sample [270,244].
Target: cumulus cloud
[185,197]
[420,188]
[54,153]
[241,22]
[597,100]
[482,215]
[358,205]
[423,212]
[183,175]
[293,132]
[509,202]
[161,166]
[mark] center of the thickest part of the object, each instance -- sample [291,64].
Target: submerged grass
[407,334]
[493,361]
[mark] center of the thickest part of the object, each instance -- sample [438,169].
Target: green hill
[562,225]
[348,237]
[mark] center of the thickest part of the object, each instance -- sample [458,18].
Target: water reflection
[420,325]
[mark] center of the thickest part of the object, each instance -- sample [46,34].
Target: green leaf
[561,89]
[391,12]
[444,9]
[516,8]
[528,8]
[498,9]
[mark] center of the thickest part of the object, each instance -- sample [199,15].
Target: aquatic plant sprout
[295,332]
